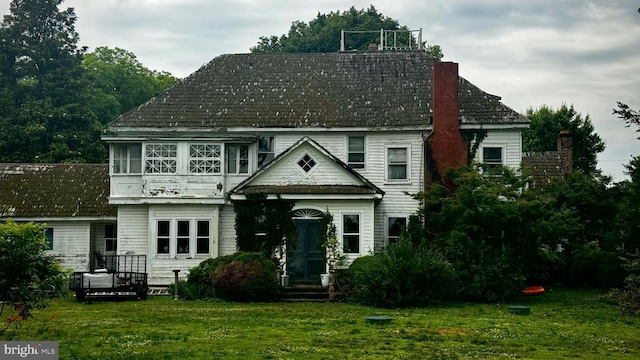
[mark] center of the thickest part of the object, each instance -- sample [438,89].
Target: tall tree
[546,123]
[120,82]
[322,34]
[45,115]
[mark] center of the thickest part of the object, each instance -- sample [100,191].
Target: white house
[351,132]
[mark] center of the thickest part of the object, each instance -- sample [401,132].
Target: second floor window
[492,158]
[397,163]
[355,156]
[204,159]
[127,159]
[266,150]
[161,158]
[237,159]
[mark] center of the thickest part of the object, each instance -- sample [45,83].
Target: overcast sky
[531,53]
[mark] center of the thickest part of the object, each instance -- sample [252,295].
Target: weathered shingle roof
[54,190]
[542,166]
[364,89]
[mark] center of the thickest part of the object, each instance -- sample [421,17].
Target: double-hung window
[205,159]
[355,154]
[266,150]
[110,238]
[493,159]
[183,237]
[351,233]
[127,158]
[237,159]
[397,163]
[161,158]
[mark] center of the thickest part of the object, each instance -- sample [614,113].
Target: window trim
[364,152]
[313,168]
[113,239]
[127,158]
[388,217]
[272,140]
[148,158]
[173,237]
[343,233]
[236,160]
[406,180]
[492,165]
[213,159]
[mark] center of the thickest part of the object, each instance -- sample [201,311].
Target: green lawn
[563,324]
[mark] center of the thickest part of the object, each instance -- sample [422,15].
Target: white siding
[289,172]
[133,234]
[71,243]
[509,140]
[160,267]
[227,230]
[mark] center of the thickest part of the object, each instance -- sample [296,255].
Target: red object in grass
[533,290]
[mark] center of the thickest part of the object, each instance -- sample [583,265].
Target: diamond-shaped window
[307,163]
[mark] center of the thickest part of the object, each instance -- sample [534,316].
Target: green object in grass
[379,319]
[519,310]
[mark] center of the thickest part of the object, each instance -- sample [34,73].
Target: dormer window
[306,163]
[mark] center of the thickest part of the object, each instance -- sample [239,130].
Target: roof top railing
[390,39]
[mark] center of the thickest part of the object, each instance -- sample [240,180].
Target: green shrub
[200,277]
[629,297]
[186,291]
[242,280]
[401,275]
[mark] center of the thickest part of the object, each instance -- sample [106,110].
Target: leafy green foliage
[247,277]
[119,82]
[264,225]
[201,277]
[401,275]
[28,276]
[546,123]
[628,297]
[493,234]
[186,291]
[54,98]
[628,115]
[322,34]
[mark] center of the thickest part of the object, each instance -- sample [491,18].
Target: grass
[565,323]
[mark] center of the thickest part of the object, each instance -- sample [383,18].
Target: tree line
[55,98]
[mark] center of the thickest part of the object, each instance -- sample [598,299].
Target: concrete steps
[304,293]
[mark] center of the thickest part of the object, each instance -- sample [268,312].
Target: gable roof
[355,89]
[357,185]
[543,167]
[54,190]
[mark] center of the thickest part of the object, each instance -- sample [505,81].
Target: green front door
[307,261]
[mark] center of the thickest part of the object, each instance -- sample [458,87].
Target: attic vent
[307,163]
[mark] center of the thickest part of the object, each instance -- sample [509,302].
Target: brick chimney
[447,148]
[565,151]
